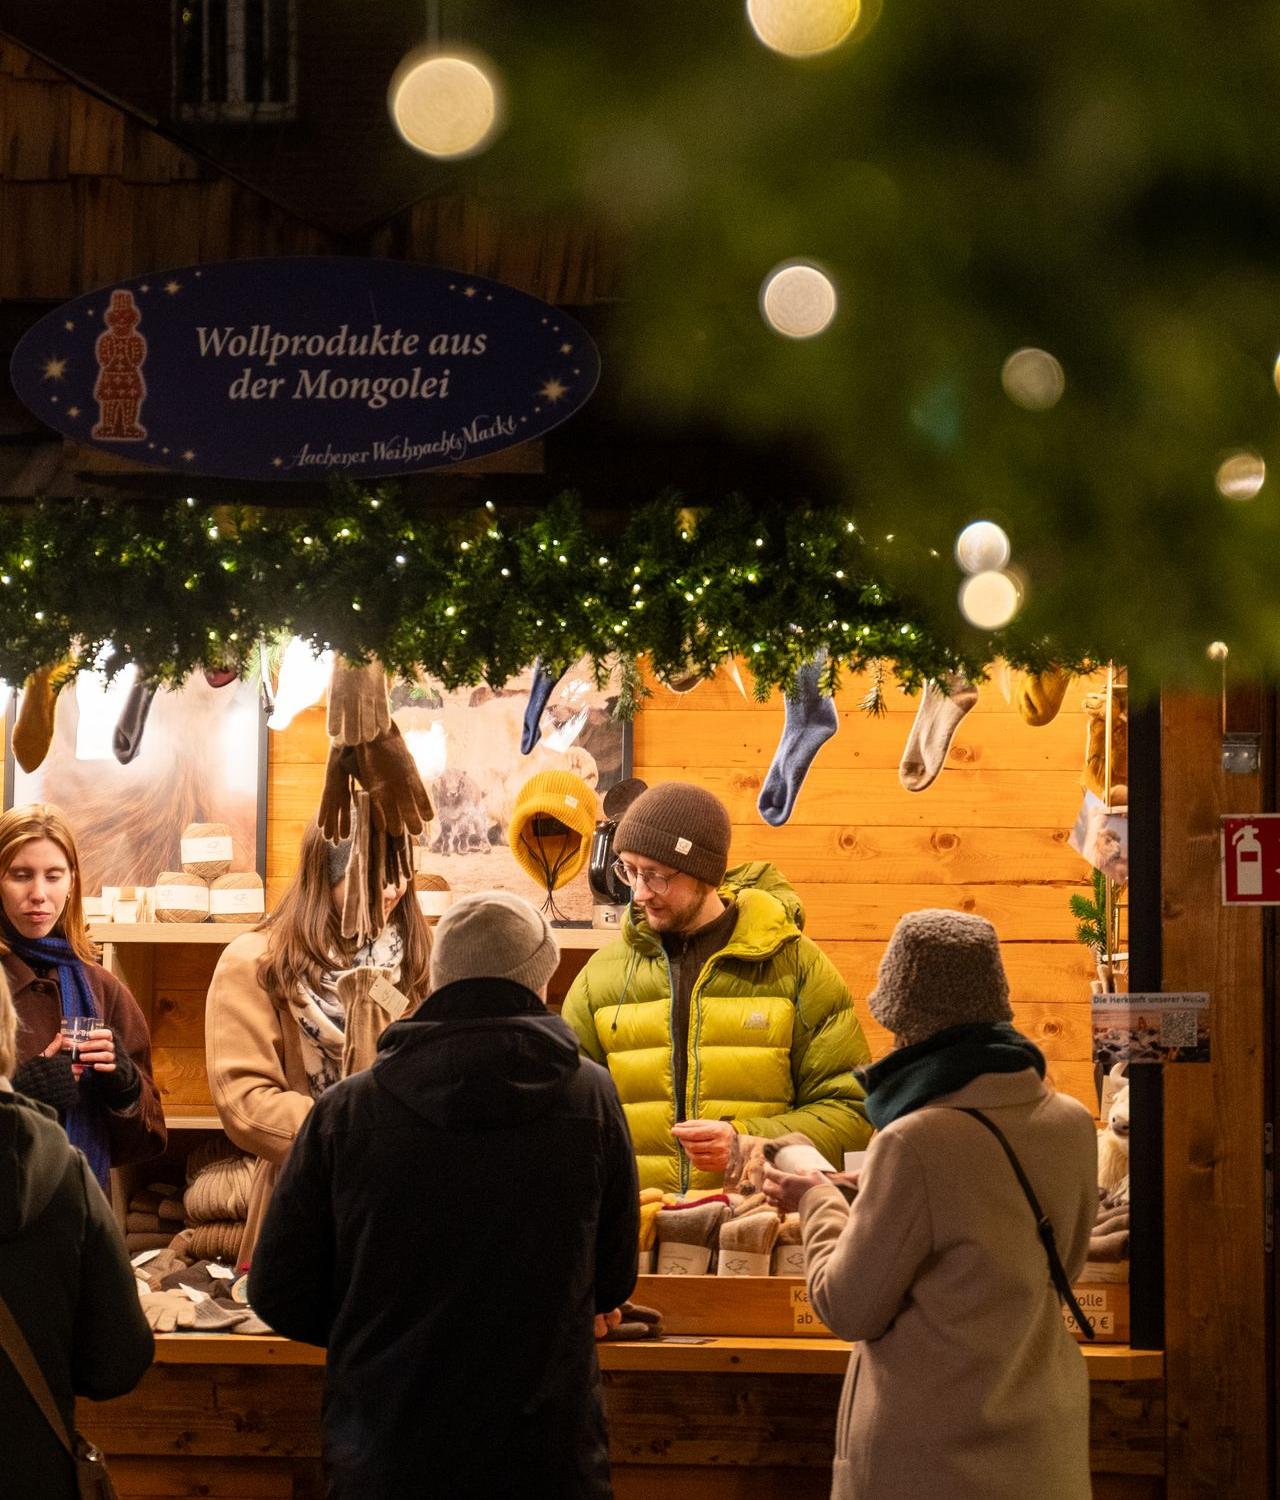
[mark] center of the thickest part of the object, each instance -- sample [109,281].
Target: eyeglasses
[657,883]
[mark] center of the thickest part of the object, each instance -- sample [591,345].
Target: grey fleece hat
[941,969]
[493,935]
[681,826]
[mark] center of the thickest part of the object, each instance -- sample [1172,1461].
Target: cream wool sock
[788,1250]
[747,1242]
[687,1236]
[936,722]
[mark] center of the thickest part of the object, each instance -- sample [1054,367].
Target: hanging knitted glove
[127,739]
[687,1236]
[33,729]
[386,770]
[48,1080]
[359,704]
[334,816]
[370,1007]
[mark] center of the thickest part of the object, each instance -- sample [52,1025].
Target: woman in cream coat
[275,1025]
[965,1383]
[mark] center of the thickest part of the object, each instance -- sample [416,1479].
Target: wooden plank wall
[990,835]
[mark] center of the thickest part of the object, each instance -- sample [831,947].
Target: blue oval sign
[299,368]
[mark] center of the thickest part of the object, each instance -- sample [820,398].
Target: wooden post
[1215,1265]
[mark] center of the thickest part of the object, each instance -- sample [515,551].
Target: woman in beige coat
[280,1025]
[965,1384]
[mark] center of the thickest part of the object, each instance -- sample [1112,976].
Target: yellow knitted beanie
[552,826]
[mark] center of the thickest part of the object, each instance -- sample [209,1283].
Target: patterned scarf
[85,1121]
[322,1022]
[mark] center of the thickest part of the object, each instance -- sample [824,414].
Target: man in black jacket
[449,1223]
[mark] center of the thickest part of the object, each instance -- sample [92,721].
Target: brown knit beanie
[681,826]
[493,935]
[941,969]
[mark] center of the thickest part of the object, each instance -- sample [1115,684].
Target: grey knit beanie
[493,935]
[941,969]
[681,826]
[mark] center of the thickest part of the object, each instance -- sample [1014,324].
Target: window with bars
[235,59]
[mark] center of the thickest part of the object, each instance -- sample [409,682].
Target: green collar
[911,1077]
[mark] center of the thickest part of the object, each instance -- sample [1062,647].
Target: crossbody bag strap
[1043,1227]
[14,1343]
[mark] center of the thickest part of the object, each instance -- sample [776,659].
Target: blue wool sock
[811,721]
[543,682]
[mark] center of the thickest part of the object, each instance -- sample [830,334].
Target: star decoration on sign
[189,454]
[553,390]
[54,368]
[173,287]
[470,292]
[68,325]
[73,411]
[145,287]
[277,463]
[566,348]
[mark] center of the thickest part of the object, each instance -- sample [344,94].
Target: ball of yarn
[180,897]
[236,897]
[206,849]
[432,892]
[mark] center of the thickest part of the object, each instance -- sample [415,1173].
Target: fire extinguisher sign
[1251,860]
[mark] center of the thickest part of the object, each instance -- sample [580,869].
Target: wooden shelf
[192,1117]
[741,1356]
[222,933]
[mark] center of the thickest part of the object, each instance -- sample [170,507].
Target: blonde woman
[104,1094]
[66,1281]
[275,1025]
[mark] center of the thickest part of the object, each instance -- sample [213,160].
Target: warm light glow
[1033,379]
[982,547]
[443,106]
[989,600]
[797,300]
[802,28]
[429,749]
[1218,651]
[1240,475]
[99,706]
[304,675]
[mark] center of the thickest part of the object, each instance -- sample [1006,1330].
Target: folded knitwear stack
[216,1201]
[721,1234]
[154,1216]
[1108,1258]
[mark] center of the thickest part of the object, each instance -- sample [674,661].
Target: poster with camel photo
[467,745]
[201,758]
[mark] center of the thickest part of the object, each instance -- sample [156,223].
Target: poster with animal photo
[201,758]
[467,745]
[1150,1028]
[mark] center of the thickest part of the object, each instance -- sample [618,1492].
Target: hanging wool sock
[810,722]
[33,729]
[544,681]
[1040,695]
[127,739]
[687,1236]
[746,1243]
[936,721]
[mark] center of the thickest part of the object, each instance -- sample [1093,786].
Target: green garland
[471,599]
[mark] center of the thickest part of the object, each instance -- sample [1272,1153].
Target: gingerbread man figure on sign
[120,389]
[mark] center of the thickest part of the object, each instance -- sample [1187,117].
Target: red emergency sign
[1251,860]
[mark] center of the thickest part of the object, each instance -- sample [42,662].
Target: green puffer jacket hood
[772,1042]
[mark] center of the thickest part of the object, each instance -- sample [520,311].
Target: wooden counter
[719,1419]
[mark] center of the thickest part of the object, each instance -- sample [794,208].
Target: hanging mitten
[1040,695]
[936,722]
[359,705]
[127,739]
[33,728]
[371,1003]
[334,816]
[687,1236]
[788,1249]
[746,1243]
[810,722]
[540,690]
[386,770]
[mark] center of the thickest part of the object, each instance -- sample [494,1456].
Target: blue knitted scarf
[84,1122]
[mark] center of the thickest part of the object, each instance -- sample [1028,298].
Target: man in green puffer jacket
[714,1014]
